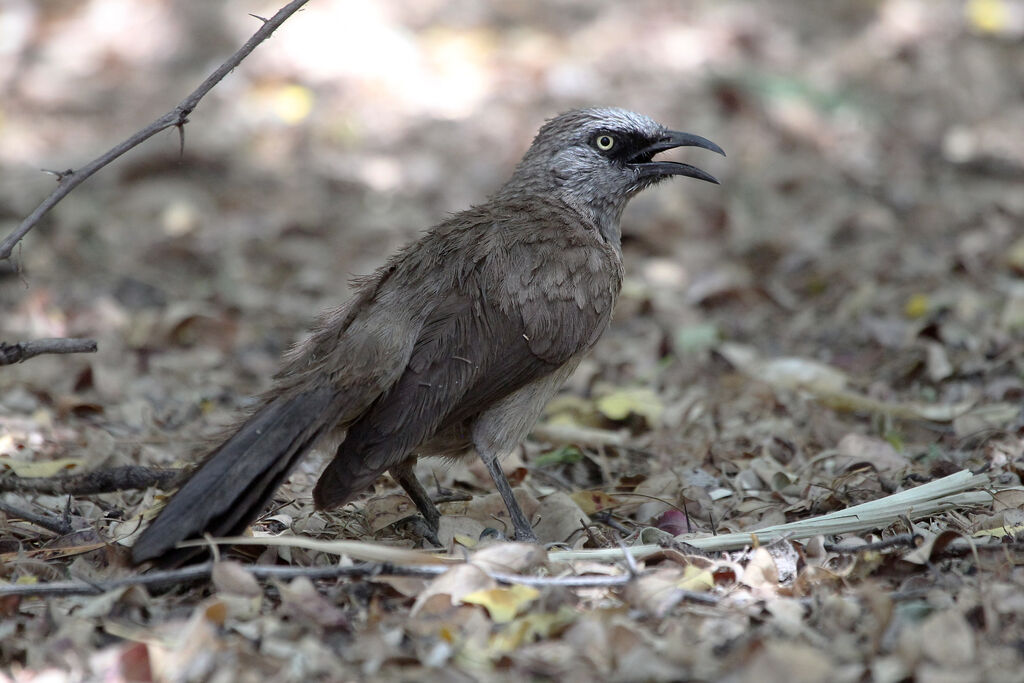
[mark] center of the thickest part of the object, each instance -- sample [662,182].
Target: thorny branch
[70,179]
[22,351]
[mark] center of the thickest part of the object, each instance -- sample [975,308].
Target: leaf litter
[839,325]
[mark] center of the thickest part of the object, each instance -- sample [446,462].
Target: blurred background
[870,212]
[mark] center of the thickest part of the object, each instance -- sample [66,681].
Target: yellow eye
[604,142]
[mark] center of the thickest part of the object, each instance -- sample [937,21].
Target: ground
[841,319]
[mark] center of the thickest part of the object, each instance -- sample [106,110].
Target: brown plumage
[455,344]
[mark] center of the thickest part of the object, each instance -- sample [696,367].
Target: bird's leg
[405,476]
[524,530]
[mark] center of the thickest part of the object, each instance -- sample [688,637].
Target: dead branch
[899,541]
[202,571]
[48,522]
[22,351]
[70,179]
[122,478]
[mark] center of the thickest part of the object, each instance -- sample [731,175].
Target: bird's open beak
[643,162]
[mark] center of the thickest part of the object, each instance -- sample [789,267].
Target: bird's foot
[521,536]
[526,535]
[418,526]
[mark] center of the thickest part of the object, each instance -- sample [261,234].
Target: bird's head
[598,159]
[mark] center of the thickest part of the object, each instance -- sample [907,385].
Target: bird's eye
[604,142]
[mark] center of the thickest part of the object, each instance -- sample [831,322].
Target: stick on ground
[50,523]
[107,480]
[202,572]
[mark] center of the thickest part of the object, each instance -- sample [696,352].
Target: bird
[454,345]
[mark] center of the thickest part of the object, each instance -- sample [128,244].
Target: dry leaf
[761,572]
[510,557]
[593,500]
[232,578]
[621,403]
[503,604]
[857,448]
[39,468]
[383,511]
[559,517]
[301,599]
[448,588]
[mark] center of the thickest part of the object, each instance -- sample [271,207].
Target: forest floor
[842,319]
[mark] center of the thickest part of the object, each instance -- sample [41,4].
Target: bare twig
[21,351]
[194,573]
[605,517]
[630,560]
[599,581]
[54,524]
[202,571]
[679,595]
[122,478]
[898,541]
[70,179]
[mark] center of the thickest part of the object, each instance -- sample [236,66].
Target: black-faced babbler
[454,345]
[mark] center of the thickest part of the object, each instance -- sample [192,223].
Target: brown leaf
[856,448]
[301,599]
[232,578]
[448,588]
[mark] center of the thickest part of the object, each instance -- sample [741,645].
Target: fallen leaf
[947,639]
[503,604]
[448,588]
[383,511]
[559,517]
[620,404]
[696,578]
[917,306]
[856,448]
[761,572]
[529,628]
[40,468]
[301,599]
[232,578]
[510,557]
[594,500]
[986,417]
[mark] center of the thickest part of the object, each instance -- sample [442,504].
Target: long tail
[230,488]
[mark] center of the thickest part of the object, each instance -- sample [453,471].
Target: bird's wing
[522,313]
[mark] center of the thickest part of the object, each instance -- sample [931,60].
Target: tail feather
[230,488]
